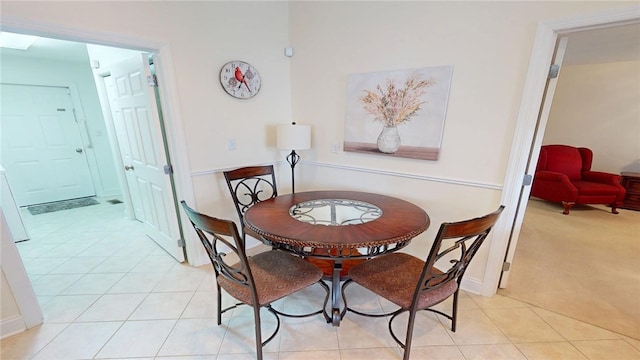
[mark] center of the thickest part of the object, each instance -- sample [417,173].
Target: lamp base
[293,159]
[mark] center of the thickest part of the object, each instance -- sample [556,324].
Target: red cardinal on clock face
[243,78]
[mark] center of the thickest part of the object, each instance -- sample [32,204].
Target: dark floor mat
[61,205]
[114,201]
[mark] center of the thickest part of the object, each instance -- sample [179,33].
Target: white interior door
[137,124]
[125,149]
[42,149]
[543,116]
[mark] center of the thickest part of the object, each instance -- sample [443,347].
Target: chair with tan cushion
[257,281]
[414,284]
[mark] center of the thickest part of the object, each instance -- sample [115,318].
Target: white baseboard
[471,285]
[12,326]
[115,192]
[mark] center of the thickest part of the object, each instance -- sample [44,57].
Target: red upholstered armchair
[564,175]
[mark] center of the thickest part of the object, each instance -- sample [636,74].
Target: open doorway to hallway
[555,251]
[58,63]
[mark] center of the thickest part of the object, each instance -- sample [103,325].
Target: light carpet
[585,265]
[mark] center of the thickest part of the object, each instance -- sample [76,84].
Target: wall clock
[240,80]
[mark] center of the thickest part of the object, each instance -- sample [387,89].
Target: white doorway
[515,191]
[627,52]
[159,204]
[552,243]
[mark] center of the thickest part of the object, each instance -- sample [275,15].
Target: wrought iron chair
[257,281]
[249,186]
[415,285]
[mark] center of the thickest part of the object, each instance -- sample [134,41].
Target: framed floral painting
[397,113]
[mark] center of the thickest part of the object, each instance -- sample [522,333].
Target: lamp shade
[294,137]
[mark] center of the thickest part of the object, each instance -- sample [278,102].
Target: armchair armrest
[602,177]
[553,186]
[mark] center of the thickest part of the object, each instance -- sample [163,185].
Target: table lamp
[293,137]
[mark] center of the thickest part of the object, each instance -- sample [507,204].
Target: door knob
[128,167]
[79,150]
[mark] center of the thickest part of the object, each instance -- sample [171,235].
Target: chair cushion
[395,277]
[276,275]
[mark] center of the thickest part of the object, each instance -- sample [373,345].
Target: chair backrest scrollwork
[220,239]
[447,264]
[251,185]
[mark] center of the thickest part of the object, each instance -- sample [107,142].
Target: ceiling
[612,44]
[54,49]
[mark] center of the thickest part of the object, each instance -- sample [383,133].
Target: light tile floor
[109,292]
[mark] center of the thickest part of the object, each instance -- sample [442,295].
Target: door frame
[541,124]
[175,138]
[525,145]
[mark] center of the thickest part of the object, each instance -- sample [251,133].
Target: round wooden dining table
[337,226]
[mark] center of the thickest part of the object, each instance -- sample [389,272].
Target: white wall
[488,43]
[598,106]
[33,71]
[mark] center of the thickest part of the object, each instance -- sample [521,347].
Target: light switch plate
[288,51]
[335,147]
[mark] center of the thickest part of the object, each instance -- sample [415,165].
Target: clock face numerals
[240,79]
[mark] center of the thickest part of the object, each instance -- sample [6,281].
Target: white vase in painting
[389,140]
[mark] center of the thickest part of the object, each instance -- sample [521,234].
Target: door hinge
[152,80]
[527,180]
[168,169]
[506,266]
[182,243]
[554,69]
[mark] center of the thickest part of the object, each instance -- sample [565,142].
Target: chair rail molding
[366,170]
[409,175]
